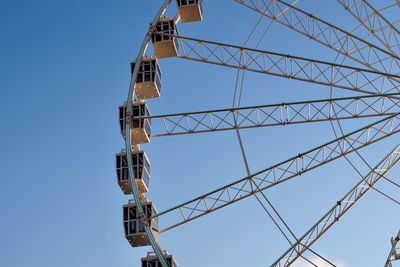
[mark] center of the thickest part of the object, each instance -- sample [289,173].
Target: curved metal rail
[128,145]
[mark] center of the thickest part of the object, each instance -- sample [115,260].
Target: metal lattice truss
[339,209]
[394,254]
[327,34]
[376,74]
[274,115]
[281,172]
[287,66]
[384,31]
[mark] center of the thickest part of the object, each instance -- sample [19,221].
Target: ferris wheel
[366,67]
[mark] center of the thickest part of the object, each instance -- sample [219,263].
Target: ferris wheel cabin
[190,10]
[134,229]
[395,241]
[164,45]
[151,260]
[148,82]
[141,169]
[140,128]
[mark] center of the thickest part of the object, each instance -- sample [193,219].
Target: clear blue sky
[65,69]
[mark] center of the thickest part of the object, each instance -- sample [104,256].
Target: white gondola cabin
[134,229]
[148,82]
[141,171]
[190,10]
[140,128]
[151,260]
[164,45]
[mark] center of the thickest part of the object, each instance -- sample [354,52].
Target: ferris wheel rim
[128,145]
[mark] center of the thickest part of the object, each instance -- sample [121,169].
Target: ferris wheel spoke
[384,31]
[339,209]
[281,172]
[273,115]
[287,66]
[328,34]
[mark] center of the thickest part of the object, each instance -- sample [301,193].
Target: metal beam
[273,115]
[280,172]
[375,23]
[339,209]
[327,34]
[287,66]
